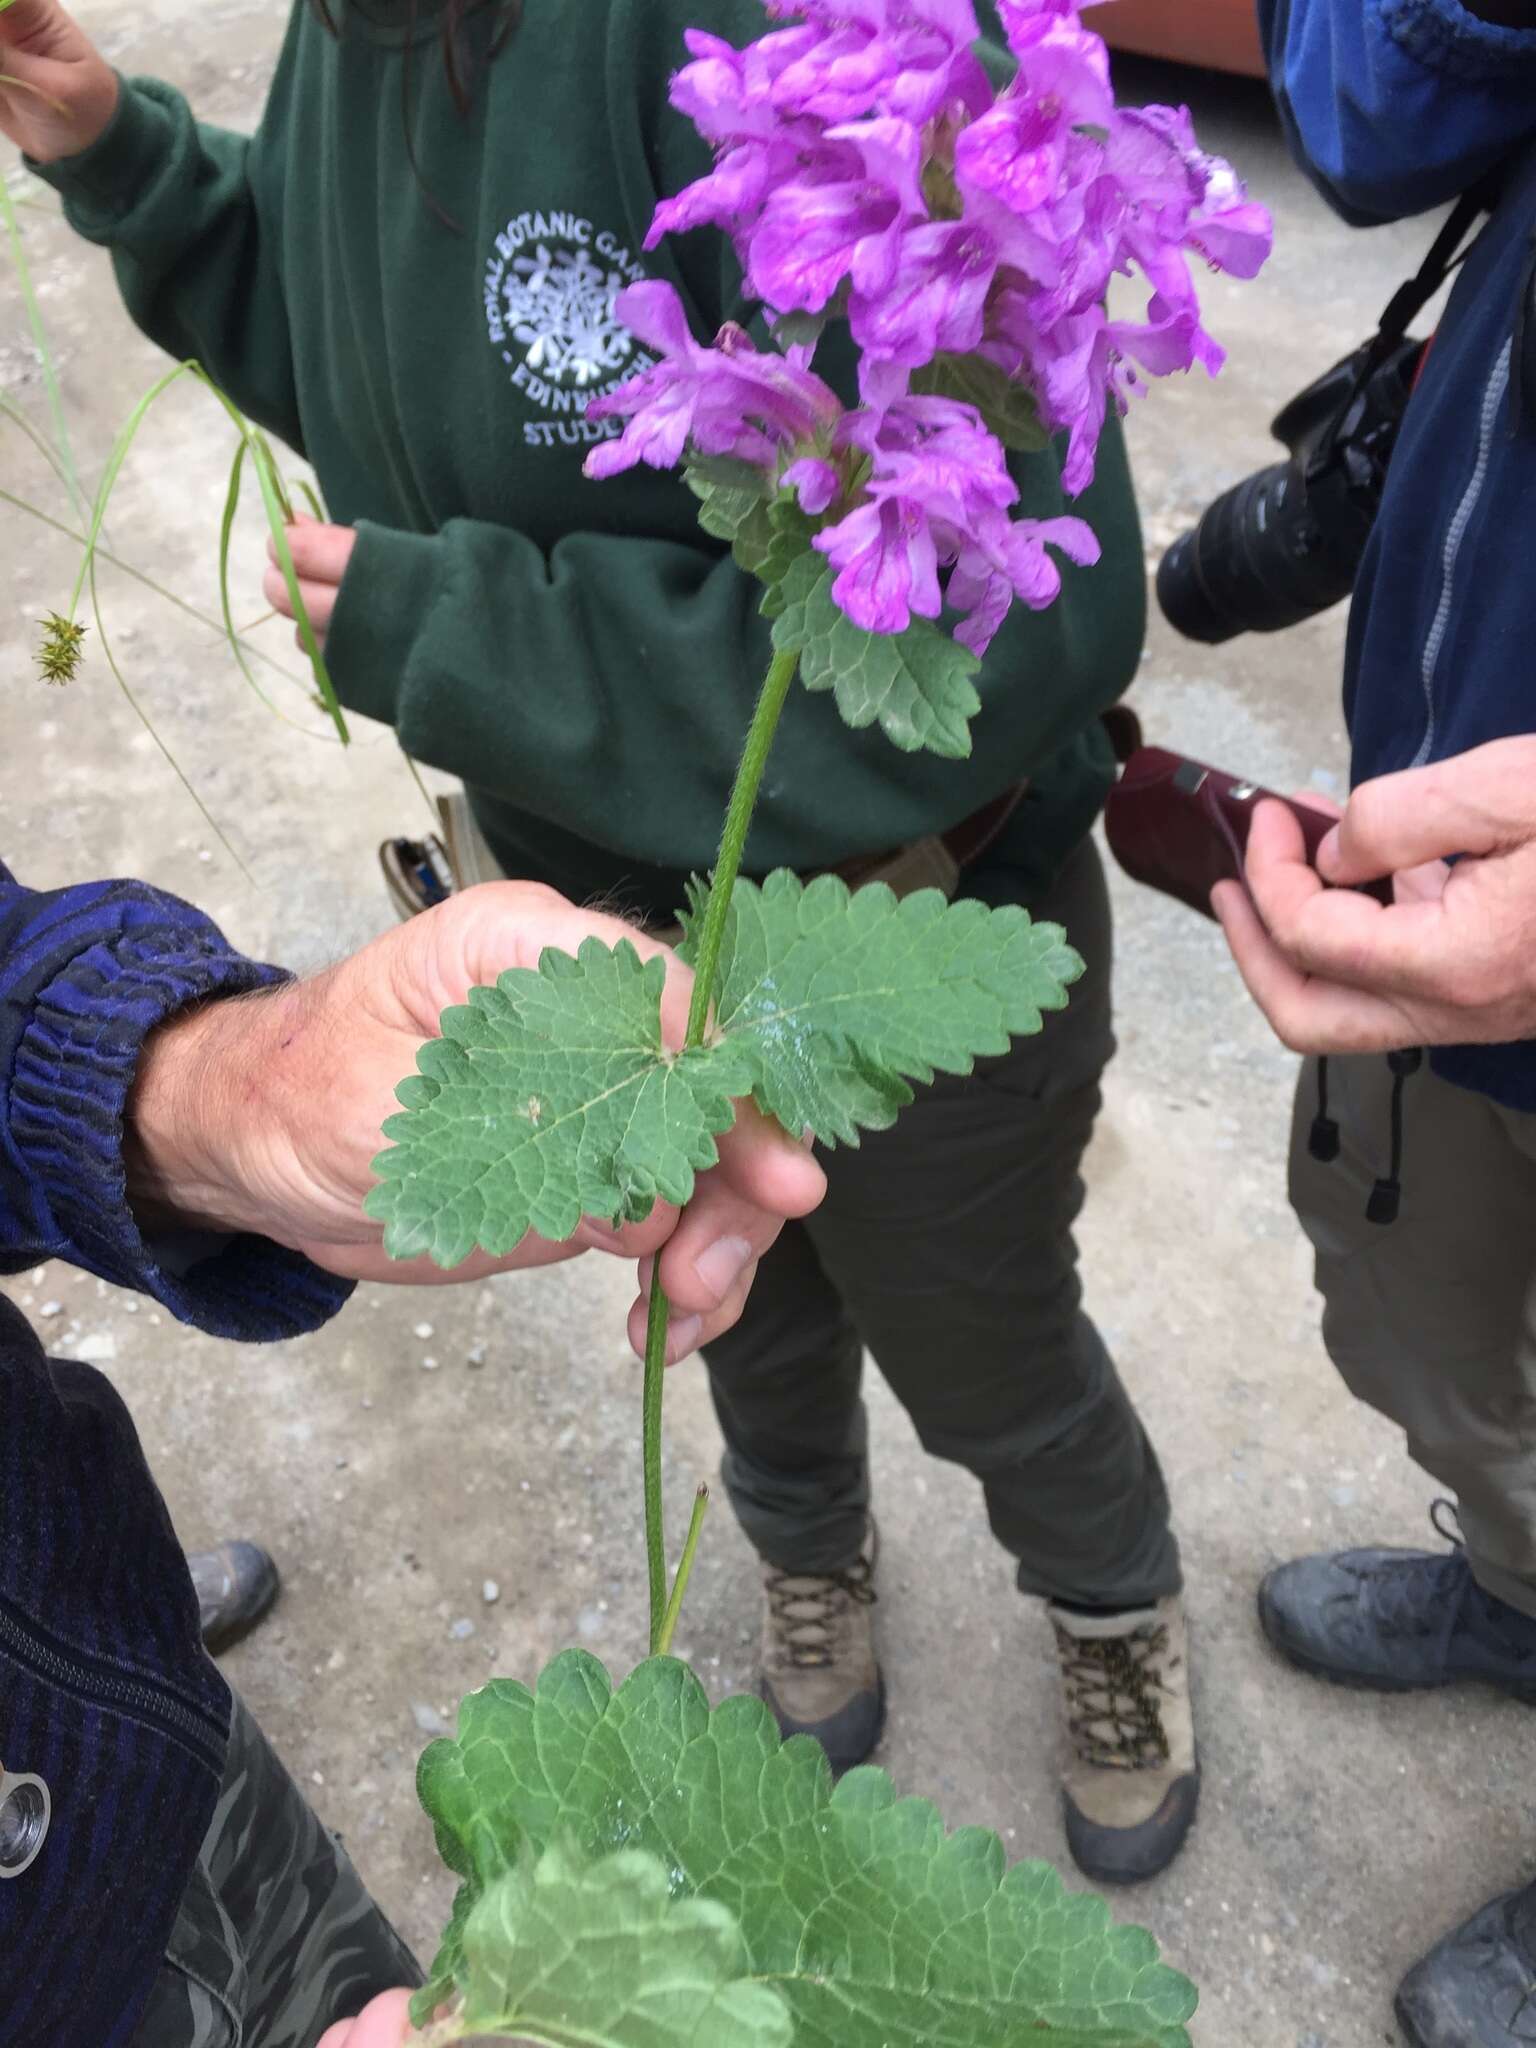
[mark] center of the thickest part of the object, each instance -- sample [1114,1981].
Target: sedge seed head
[59,655]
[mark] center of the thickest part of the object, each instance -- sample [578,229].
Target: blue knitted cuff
[74,1067]
[1444,37]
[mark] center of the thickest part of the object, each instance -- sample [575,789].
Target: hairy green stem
[733,839]
[684,1572]
[738,820]
[650,1453]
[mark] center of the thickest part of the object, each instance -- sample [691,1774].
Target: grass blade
[279,518]
[171,597]
[312,499]
[148,724]
[40,343]
[226,531]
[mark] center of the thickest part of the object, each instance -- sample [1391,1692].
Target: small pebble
[462,1630]
[367,1400]
[423,1329]
[130,1308]
[51,1308]
[490,1592]
[428,1719]
[316,1778]
[477,1355]
[429,1365]
[341,1464]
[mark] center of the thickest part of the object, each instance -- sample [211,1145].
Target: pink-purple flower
[867,169]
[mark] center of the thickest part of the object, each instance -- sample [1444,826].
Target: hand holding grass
[57,92]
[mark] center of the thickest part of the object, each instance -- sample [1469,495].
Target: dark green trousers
[945,1249]
[276,1938]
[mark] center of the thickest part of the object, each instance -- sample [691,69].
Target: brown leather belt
[937,861]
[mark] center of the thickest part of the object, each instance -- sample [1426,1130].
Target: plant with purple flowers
[638,1871]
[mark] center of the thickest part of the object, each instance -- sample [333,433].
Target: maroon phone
[1181,827]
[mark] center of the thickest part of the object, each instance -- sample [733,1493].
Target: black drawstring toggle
[1323,1143]
[1387,1195]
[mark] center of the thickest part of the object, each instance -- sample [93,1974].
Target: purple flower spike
[866,169]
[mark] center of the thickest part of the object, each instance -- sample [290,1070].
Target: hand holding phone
[1181,827]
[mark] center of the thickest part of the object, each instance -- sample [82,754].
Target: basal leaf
[876,1928]
[1008,409]
[917,684]
[548,1098]
[564,1952]
[837,999]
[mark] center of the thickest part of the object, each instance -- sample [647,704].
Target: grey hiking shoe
[1398,1620]
[819,1672]
[1477,1987]
[1131,1778]
[235,1586]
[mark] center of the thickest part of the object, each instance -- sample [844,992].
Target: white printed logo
[550,286]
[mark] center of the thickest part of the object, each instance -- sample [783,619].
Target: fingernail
[722,1265]
[1328,852]
[683,1338]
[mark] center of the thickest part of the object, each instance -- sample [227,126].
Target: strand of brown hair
[460,68]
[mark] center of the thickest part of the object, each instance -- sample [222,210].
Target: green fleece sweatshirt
[580,653]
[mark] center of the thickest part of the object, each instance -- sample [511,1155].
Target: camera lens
[1258,561]
[24,1813]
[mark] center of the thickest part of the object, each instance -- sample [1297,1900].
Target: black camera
[1286,543]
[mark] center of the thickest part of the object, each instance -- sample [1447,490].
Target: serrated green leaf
[877,1929]
[1009,409]
[917,684]
[837,999]
[548,1098]
[731,495]
[569,1953]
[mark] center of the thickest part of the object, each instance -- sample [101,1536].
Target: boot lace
[1114,1716]
[804,1608]
[1423,1593]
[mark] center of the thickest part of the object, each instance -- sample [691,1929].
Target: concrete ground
[1339,1833]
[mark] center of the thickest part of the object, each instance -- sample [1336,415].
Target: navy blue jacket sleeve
[86,973]
[1394,107]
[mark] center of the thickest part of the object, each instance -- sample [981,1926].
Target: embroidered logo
[550,286]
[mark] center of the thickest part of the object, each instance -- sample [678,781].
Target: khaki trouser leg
[1432,1319]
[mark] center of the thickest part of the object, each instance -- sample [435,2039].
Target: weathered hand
[57,91]
[320,558]
[385,2024]
[1451,962]
[263,1114]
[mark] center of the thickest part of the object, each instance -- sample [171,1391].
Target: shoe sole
[1363,1681]
[838,1769]
[1122,1876]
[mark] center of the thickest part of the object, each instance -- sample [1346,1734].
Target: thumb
[1476,803]
[33,25]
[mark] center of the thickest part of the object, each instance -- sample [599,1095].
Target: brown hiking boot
[1131,1778]
[819,1672]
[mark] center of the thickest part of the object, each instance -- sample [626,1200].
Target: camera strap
[1447,253]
